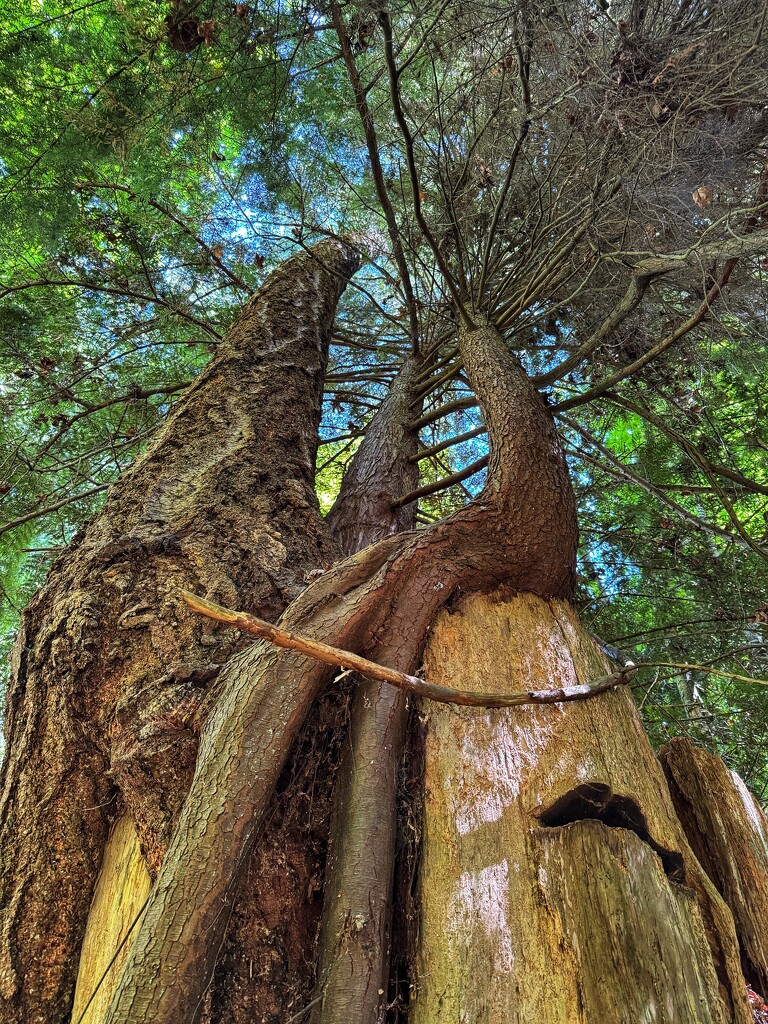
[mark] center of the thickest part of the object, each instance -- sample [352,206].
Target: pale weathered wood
[121,890]
[583,922]
[728,832]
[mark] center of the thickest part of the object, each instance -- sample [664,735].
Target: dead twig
[412,684]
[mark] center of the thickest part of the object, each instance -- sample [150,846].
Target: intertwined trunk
[111,671]
[353,962]
[555,883]
[521,528]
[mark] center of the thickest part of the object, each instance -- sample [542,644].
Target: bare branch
[412,684]
[440,485]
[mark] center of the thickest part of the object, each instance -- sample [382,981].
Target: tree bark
[728,832]
[110,670]
[521,528]
[353,963]
[556,884]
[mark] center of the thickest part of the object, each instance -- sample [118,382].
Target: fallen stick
[412,684]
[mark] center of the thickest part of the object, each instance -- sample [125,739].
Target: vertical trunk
[556,883]
[728,832]
[381,471]
[354,953]
[110,670]
[266,966]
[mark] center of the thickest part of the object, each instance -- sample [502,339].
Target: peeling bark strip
[552,858]
[728,832]
[520,530]
[110,670]
[328,655]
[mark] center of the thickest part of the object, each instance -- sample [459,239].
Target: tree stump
[556,882]
[728,832]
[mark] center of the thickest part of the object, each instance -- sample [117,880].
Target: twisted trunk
[521,528]
[515,798]
[111,671]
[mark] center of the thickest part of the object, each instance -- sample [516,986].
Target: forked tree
[424,793]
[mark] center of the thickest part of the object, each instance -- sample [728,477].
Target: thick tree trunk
[728,832]
[556,884]
[519,805]
[111,670]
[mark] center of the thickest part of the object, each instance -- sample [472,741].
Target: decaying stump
[728,832]
[556,882]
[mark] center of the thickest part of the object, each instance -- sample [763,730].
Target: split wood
[412,684]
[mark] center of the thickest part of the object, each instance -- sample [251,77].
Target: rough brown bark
[110,669]
[268,963]
[266,968]
[521,528]
[728,832]
[556,884]
[382,469]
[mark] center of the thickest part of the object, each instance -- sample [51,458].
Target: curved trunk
[728,832]
[556,884]
[110,669]
[546,790]
[522,528]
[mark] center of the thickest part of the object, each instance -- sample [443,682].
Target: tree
[571,268]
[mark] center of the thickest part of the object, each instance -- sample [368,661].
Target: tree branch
[94,185]
[397,108]
[446,481]
[425,453]
[372,144]
[29,516]
[412,684]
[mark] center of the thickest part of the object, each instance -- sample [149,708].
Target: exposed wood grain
[556,882]
[122,887]
[728,832]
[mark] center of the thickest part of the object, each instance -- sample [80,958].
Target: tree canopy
[592,177]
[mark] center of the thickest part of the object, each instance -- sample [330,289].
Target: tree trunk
[556,884]
[524,810]
[353,962]
[110,670]
[728,832]
[522,528]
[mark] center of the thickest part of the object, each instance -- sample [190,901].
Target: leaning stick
[412,684]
